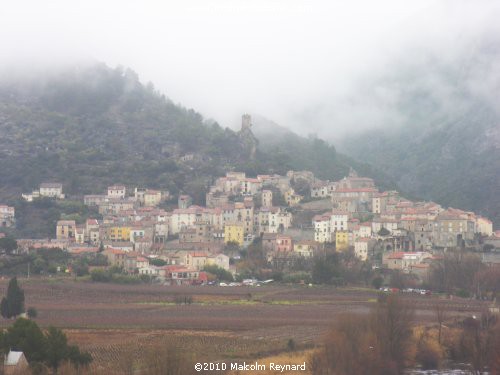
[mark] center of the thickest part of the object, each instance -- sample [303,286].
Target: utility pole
[28,270]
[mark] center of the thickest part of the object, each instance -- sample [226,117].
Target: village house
[116,191]
[322,232]
[114,206]
[362,230]
[305,248]
[292,198]
[15,363]
[143,245]
[250,186]
[116,257]
[320,190]
[115,233]
[452,227]
[389,224]
[234,233]
[484,226]
[267,198]
[196,260]
[7,216]
[80,234]
[46,189]
[338,220]
[220,260]
[341,240]
[65,230]
[272,220]
[363,248]
[183,218]
[179,275]
[345,204]
[422,233]
[358,199]
[284,243]
[51,190]
[94,200]
[244,214]
[403,261]
[152,198]
[126,246]
[150,270]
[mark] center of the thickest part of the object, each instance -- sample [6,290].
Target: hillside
[313,154]
[447,148]
[94,126]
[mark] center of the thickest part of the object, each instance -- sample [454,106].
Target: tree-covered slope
[94,126]
[447,145]
[314,154]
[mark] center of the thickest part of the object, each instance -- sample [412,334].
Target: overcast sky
[293,61]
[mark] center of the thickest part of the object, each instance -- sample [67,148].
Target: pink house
[284,243]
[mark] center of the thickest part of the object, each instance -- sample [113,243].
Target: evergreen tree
[57,347]
[13,304]
[4,307]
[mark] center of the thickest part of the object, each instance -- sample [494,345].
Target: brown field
[117,323]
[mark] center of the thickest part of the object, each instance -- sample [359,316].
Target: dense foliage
[12,305]
[220,273]
[50,349]
[92,127]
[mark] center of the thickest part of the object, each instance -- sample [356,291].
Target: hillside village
[291,218]
[284,221]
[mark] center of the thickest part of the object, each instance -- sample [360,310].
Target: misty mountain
[92,126]
[312,153]
[447,146]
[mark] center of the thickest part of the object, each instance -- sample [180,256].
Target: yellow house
[152,198]
[119,233]
[65,229]
[341,240]
[234,233]
[291,198]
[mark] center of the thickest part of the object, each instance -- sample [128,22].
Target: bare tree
[441,316]
[377,344]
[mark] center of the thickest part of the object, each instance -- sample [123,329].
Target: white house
[362,248]
[338,221]
[52,190]
[322,232]
[116,191]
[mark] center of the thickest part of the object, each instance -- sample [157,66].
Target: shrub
[100,276]
[32,313]
[297,277]
[183,299]
[428,355]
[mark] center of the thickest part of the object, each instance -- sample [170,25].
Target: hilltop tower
[246,121]
[247,138]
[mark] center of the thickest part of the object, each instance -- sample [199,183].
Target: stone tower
[246,121]
[247,139]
